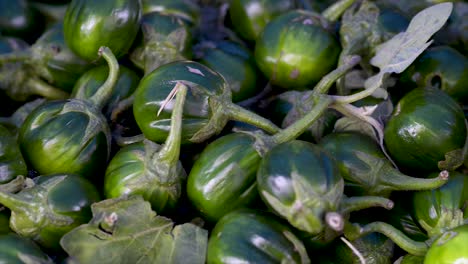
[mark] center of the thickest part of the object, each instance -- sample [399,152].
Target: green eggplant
[426,131]
[163,38]
[90,24]
[301,182]
[246,236]
[12,162]
[15,249]
[223,177]
[249,17]
[206,111]
[237,65]
[295,49]
[18,18]
[54,205]
[48,68]
[375,248]
[151,170]
[366,170]
[189,11]
[441,209]
[450,247]
[70,136]
[88,84]
[442,67]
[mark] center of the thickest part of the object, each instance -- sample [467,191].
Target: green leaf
[395,55]
[126,230]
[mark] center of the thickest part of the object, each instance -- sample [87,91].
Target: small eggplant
[366,170]
[70,136]
[207,109]
[54,205]
[151,170]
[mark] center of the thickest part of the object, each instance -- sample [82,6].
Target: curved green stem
[104,92]
[321,103]
[327,81]
[393,179]
[348,99]
[38,87]
[14,202]
[413,247]
[171,149]
[334,12]
[238,113]
[351,204]
[16,56]
[124,141]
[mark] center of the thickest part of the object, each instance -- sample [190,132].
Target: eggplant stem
[45,90]
[396,180]
[14,202]
[328,80]
[413,247]
[170,152]
[16,56]
[351,204]
[335,221]
[321,103]
[238,113]
[100,98]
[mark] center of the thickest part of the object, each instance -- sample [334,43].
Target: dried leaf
[395,55]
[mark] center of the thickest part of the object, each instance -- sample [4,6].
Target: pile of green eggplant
[234,131]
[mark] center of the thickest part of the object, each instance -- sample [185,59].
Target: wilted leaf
[126,230]
[395,55]
[352,124]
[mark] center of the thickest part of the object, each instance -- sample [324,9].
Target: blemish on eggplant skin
[294,74]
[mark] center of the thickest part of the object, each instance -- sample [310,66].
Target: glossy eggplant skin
[442,209]
[238,67]
[90,24]
[245,236]
[64,67]
[425,125]
[14,249]
[223,178]
[295,50]
[55,204]
[154,88]
[19,19]
[12,162]
[249,17]
[450,247]
[129,173]
[440,66]
[66,136]
[301,183]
